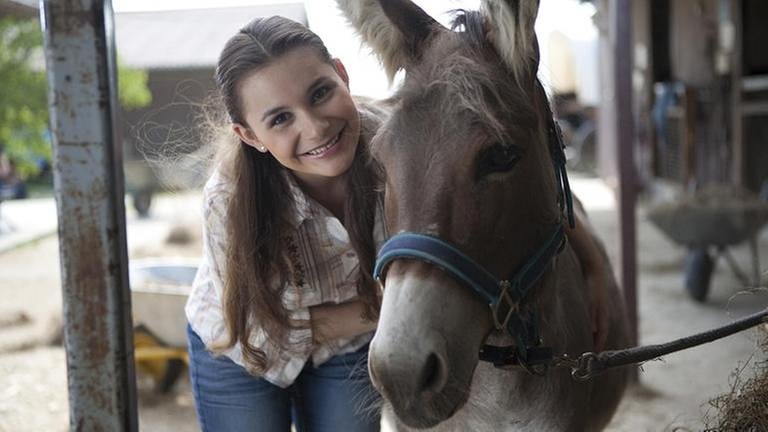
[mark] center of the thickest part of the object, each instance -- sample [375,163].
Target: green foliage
[132,87]
[23,93]
[23,104]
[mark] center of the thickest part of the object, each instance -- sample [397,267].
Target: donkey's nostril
[433,375]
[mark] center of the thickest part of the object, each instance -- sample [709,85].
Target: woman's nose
[316,127]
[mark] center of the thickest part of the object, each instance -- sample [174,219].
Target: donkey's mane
[470,24]
[467,79]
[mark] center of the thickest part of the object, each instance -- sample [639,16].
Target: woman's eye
[498,158]
[280,119]
[320,93]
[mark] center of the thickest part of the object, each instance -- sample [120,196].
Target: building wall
[18,9]
[160,142]
[173,116]
[717,131]
[754,106]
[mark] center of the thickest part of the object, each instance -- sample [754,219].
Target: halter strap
[557,151]
[503,296]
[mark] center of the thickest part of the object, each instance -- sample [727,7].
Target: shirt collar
[304,206]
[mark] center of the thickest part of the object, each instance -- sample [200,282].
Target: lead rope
[589,364]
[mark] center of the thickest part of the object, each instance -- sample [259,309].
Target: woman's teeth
[324,148]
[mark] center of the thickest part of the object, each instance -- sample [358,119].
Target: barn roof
[183,39]
[18,8]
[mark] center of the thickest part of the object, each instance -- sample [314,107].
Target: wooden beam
[737,136]
[617,138]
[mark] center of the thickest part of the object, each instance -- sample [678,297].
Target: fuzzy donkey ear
[396,30]
[510,26]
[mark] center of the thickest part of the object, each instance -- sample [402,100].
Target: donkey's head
[466,159]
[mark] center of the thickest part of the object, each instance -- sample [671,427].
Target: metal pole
[621,37]
[88,182]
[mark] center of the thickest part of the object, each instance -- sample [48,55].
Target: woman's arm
[339,321]
[593,266]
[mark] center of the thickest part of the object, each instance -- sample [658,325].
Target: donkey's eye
[497,158]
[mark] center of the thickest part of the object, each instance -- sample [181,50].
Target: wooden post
[688,151]
[737,137]
[617,140]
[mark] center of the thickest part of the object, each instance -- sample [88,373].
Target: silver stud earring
[263,149]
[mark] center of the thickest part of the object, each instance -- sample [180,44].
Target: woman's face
[298,108]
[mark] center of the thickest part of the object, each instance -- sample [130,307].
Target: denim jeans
[335,396]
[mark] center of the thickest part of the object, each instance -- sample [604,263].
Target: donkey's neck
[562,305]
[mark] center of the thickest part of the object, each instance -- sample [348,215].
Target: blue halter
[503,296]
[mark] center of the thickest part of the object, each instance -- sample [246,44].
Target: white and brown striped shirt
[325,270]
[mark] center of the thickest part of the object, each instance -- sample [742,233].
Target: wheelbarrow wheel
[154,358]
[698,274]
[173,370]
[142,200]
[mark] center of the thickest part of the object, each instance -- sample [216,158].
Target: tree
[23,104]
[23,94]
[132,87]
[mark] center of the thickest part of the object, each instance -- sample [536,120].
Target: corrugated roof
[18,8]
[193,38]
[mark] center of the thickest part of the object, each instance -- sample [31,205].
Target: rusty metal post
[88,182]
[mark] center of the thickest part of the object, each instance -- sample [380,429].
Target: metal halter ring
[504,297]
[587,367]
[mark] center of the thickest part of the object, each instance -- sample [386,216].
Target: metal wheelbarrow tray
[159,290]
[713,219]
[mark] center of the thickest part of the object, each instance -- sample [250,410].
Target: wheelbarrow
[708,223]
[159,290]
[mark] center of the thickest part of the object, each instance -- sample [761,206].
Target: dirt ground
[672,394]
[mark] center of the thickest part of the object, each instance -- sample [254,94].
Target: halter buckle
[504,300]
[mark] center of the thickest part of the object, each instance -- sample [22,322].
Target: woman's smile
[325,150]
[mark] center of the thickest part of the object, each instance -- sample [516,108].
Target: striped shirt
[324,270]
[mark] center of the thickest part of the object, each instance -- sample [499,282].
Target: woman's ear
[341,70]
[247,136]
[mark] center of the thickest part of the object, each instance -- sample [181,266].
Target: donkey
[467,161]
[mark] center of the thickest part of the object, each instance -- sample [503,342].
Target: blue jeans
[335,396]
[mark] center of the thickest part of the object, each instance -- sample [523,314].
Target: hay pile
[745,407]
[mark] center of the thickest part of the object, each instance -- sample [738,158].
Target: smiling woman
[299,109]
[283,305]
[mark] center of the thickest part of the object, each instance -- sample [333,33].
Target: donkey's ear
[396,30]
[510,26]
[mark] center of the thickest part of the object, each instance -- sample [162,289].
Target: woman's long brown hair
[260,203]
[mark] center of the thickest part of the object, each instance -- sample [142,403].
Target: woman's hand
[598,308]
[339,321]
[593,266]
